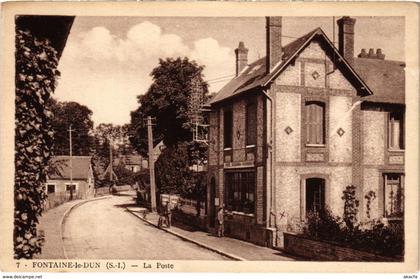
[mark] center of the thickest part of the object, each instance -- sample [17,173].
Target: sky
[107,61]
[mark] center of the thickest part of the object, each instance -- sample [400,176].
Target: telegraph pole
[110,159]
[71,163]
[151,163]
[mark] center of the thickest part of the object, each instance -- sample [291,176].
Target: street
[103,229]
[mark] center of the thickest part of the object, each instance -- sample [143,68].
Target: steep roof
[385,78]
[60,167]
[371,76]
[253,75]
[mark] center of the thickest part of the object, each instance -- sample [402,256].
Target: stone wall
[340,129]
[290,192]
[288,127]
[373,137]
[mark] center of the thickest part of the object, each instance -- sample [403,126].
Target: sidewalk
[50,225]
[226,246]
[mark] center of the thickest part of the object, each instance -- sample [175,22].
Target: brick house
[293,129]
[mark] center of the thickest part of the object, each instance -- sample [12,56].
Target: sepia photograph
[141,141]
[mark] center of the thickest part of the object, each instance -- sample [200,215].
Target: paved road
[103,229]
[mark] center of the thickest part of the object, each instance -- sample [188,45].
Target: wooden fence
[58,198]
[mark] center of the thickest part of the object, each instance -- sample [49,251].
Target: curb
[67,213]
[185,238]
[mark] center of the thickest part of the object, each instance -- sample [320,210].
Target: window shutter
[314,123]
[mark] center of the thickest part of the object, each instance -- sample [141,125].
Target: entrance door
[212,207]
[315,194]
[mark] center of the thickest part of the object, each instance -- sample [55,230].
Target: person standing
[167,214]
[221,222]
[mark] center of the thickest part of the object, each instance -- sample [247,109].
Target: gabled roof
[59,167]
[385,78]
[255,75]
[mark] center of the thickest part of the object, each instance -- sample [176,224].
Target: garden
[380,237]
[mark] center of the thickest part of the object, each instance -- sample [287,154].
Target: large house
[72,179]
[293,129]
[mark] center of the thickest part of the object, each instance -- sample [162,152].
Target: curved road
[103,229]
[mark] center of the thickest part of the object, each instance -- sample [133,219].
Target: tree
[172,170]
[35,77]
[79,117]
[117,133]
[177,83]
[175,175]
[103,133]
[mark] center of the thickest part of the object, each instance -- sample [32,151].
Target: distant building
[293,129]
[59,182]
[133,163]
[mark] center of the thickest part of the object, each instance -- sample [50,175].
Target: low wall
[243,227]
[58,198]
[106,190]
[195,221]
[324,251]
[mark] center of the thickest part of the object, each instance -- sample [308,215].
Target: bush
[323,225]
[374,236]
[380,239]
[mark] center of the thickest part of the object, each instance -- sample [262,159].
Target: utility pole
[110,159]
[151,163]
[71,163]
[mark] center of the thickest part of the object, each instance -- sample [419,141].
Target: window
[251,124]
[50,188]
[393,195]
[315,122]
[71,187]
[396,131]
[239,191]
[315,195]
[228,128]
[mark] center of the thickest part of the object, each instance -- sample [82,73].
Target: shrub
[370,196]
[351,205]
[387,240]
[323,225]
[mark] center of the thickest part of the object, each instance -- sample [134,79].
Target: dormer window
[315,123]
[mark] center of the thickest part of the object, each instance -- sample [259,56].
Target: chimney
[363,53]
[346,37]
[379,54]
[274,46]
[371,54]
[241,57]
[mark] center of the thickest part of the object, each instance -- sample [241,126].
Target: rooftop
[59,167]
[383,80]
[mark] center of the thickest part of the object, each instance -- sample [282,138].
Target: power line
[222,77]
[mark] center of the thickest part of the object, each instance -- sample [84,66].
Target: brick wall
[323,251]
[253,157]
